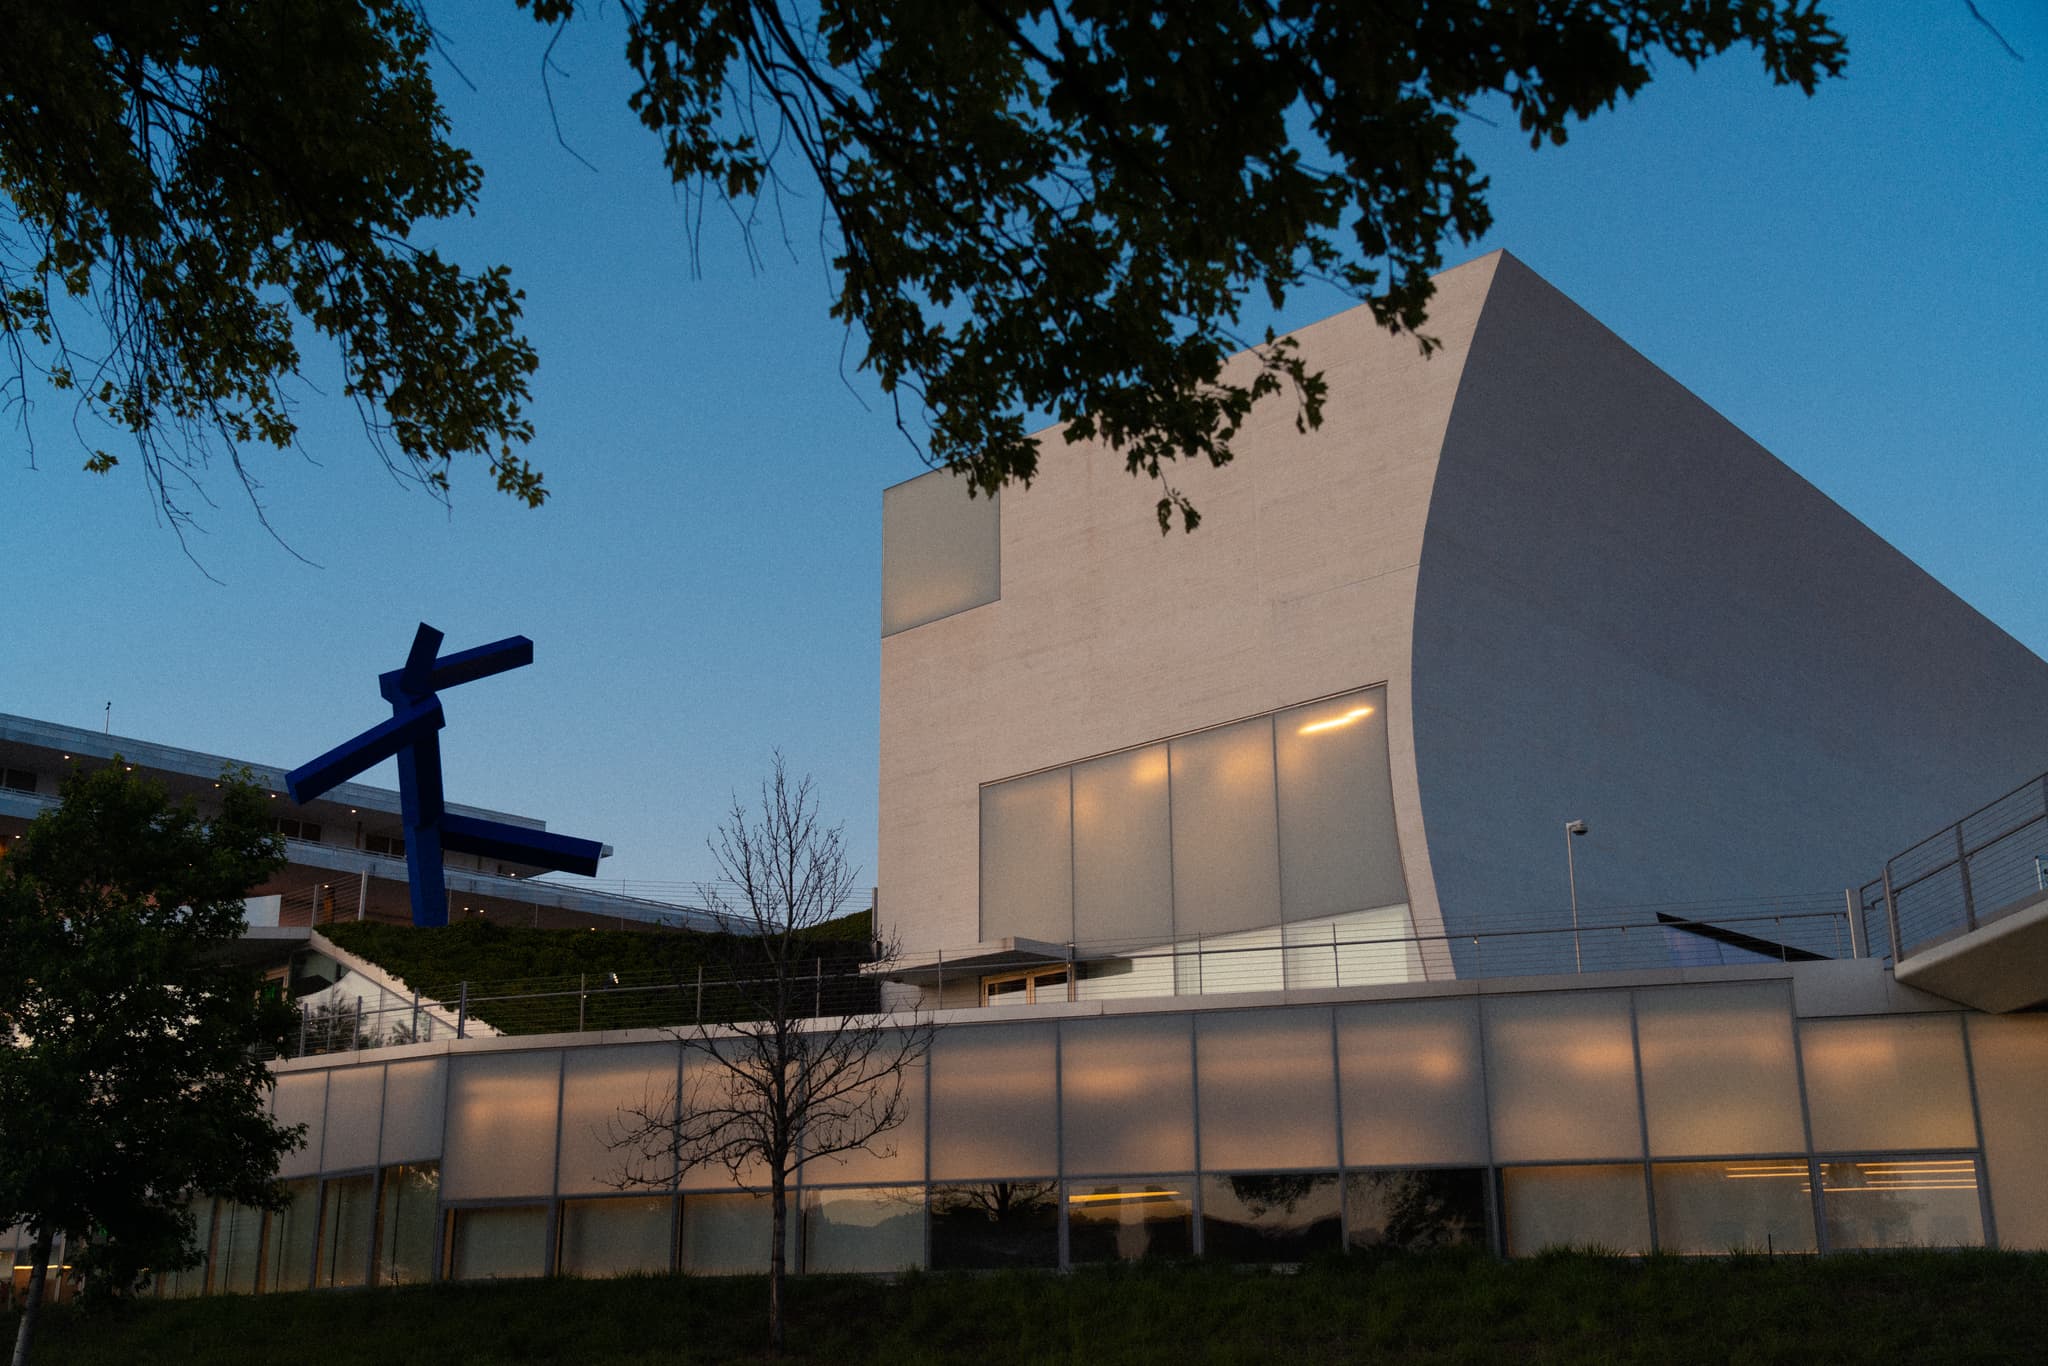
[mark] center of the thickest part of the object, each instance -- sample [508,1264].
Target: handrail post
[1963,867]
[415,1014]
[302,1031]
[817,986]
[462,1011]
[700,993]
[1891,914]
[1859,938]
[582,997]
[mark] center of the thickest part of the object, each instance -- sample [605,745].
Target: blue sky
[1856,280]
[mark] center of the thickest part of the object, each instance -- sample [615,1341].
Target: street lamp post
[1571,871]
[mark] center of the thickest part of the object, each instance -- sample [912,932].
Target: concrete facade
[1588,595]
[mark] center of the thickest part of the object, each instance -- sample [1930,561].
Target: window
[1263,850]
[296,829]
[1025,988]
[391,846]
[17,779]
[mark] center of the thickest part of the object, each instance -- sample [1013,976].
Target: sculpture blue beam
[412,736]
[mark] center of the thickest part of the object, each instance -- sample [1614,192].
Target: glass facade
[408,1209]
[347,1225]
[497,1242]
[1525,1120]
[618,1237]
[988,1225]
[1271,1217]
[1130,1219]
[874,1228]
[1247,857]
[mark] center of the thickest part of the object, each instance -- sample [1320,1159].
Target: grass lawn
[1897,1307]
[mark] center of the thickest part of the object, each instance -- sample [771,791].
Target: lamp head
[1575,827]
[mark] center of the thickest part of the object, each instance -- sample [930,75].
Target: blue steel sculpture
[412,736]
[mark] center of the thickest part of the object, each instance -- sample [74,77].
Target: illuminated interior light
[1355,714]
[1115,1197]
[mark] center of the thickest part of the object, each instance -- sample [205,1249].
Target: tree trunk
[778,1204]
[39,1271]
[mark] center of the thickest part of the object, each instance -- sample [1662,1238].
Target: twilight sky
[1856,280]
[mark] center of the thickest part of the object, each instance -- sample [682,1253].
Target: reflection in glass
[1130,1219]
[1415,1209]
[405,1224]
[992,1224]
[289,1258]
[876,1228]
[1270,1218]
[237,1249]
[1764,1205]
[501,1242]
[728,1234]
[1601,1209]
[618,1237]
[1902,1202]
[347,1222]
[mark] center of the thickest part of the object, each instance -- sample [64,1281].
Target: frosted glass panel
[355,1100]
[941,551]
[415,1102]
[993,1103]
[873,1229]
[1267,1090]
[506,1243]
[501,1126]
[1413,1093]
[709,1084]
[1575,1207]
[1563,1077]
[2010,1054]
[1226,845]
[1719,1076]
[1902,1202]
[1027,864]
[1127,1097]
[599,1085]
[618,1237]
[300,1098]
[1338,851]
[1123,869]
[891,1156]
[1715,1208]
[1889,1082]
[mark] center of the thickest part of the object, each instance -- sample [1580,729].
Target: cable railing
[1608,939]
[1984,866]
[588,1003]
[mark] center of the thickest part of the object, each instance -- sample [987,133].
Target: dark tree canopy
[131,1080]
[1031,206]
[1061,205]
[188,187]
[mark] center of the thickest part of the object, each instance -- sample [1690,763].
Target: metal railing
[585,1002]
[1964,875]
[1608,939]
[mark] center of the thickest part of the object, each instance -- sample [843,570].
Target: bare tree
[806,1064]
